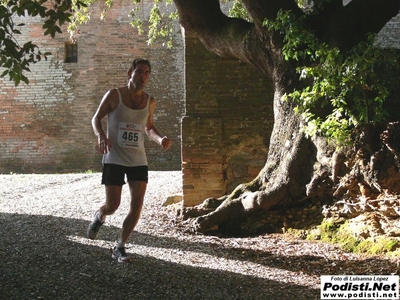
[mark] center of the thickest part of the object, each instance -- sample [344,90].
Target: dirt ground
[45,254]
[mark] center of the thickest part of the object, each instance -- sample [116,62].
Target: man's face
[140,76]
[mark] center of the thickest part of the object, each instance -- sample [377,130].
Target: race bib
[129,135]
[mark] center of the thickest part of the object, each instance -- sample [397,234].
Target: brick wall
[46,126]
[227,123]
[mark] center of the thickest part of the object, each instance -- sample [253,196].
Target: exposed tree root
[363,180]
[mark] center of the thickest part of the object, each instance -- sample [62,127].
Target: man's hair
[139,61]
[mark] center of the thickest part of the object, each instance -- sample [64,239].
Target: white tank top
[126,130]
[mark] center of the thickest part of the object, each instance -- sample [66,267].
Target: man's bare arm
[152,131]
[106,106]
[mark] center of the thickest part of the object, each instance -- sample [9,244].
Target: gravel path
[45,254]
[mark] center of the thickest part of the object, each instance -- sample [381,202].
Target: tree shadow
[313,265]
[40,261]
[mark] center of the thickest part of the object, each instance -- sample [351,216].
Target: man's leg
[113,200]
[137,190]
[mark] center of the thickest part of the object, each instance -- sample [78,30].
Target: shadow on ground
[39,260]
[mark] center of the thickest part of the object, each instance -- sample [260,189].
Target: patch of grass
[338,232]
[381,245]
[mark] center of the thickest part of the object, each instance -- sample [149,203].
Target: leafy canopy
[351,88]
[15,58]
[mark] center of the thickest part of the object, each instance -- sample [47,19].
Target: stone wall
[389,36]
[46,126]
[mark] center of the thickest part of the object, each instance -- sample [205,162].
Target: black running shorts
[115,174]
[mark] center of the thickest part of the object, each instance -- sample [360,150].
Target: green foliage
[238,10]
[160,24]
[81,14]
[342,90]
[15,58]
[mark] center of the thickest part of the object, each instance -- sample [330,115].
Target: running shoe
[120,255]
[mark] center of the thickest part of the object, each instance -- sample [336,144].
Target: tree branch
[222,35]
[219,33]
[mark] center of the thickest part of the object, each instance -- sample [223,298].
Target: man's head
[139,73]
[138,61]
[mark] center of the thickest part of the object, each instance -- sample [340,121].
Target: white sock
[98,217]
[121,244]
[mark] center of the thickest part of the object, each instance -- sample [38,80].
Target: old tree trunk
[298,170]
